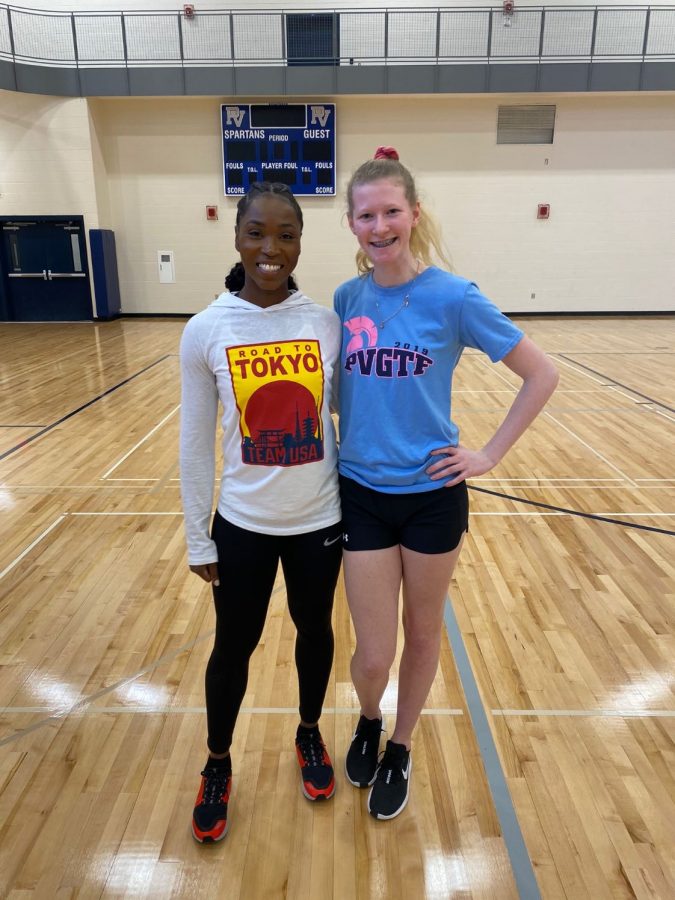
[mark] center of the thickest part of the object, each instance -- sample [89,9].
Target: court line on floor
[573,512]
[557,390]
[570,364]
[521,864]
[626,387]
[592,713]
[74,708]
[67,515]
[37,540]
[85,701]
[660,412]
[118,481]
[578,483]
[566,410]
[618,485]
[565,428]
[542,480]
[34,437]
[630,515]
[142,441]
[188,710]
[131,512]
[604,713]
[659,351]
[553,511]
[118,478]
[662,480]
[589,447]
[558,510]
[163,482]
[82,486]
[29,370]
[647,403]
[590,482]
[664,351]
[513,838]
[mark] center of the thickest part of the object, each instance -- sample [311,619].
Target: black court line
[614,381]
[662,351]
[572,512]
[69,415]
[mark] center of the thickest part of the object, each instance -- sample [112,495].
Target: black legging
[247,567]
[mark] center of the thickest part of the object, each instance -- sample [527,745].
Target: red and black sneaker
[209,817]
[318,778]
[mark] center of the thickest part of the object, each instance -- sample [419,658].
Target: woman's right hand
[208,572]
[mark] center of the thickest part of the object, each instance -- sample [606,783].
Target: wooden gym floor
[545,757]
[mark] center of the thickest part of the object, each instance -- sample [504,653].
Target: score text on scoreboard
[293,143]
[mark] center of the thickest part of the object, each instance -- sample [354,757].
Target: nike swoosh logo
[404,772]
[327,543]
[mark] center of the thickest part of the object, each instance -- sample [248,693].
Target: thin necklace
[406,301]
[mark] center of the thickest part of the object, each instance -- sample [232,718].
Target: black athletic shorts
[428,522]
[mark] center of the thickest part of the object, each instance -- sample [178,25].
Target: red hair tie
[386,153]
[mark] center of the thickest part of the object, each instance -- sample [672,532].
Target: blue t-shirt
[400,347]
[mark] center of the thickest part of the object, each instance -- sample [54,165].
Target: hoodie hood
[226,300]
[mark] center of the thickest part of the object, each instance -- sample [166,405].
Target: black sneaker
[361,759]
[209,817]
[389,793]
[316,769]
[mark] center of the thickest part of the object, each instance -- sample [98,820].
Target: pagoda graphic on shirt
[278,390]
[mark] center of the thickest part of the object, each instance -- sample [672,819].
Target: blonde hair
[426,241]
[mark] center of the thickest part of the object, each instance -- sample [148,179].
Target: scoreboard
[293,143]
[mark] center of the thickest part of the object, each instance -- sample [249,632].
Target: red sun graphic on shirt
[280,406]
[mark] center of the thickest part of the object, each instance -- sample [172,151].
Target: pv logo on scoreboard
[319,115]
[235,115]
[291,143]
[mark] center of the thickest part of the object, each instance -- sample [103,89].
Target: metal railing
[341,37]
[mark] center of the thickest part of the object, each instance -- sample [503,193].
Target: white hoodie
[272,370]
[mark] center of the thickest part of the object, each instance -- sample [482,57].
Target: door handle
[42,274]
[66,274]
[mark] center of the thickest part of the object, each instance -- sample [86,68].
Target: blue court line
[69,415]
[526,883]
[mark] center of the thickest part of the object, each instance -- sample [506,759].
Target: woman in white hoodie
[267,353]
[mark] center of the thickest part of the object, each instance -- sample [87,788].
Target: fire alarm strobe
[508,7]
[189,10]
[543,210]
[212,213]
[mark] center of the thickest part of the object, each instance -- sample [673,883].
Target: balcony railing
[434,35]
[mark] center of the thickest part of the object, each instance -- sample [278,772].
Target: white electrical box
[167,270]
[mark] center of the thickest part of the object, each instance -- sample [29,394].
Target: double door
[44,270]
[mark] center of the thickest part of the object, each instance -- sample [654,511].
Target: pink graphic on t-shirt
[363,331]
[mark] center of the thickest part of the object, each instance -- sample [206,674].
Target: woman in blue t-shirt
[402,469]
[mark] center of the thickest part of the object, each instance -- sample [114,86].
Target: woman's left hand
[459,463]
